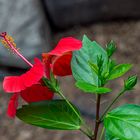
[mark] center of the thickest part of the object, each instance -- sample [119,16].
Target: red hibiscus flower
[60,56]
[28,85]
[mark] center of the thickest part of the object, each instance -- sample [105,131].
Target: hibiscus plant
[92,67]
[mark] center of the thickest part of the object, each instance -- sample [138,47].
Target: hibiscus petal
[18,83]
[36,93]
[12,106]
[65,45]
[62,65]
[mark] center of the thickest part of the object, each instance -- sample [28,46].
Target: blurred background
[37,26]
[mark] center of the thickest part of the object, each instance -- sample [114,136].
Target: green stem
[62,96]
[83,122]
[102,133]
[57,90]
[115,99]
[86,133]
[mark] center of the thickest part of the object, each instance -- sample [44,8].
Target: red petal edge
[12,106]
[65,45]
[18,83]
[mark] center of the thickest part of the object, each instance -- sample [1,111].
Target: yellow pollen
[11,40]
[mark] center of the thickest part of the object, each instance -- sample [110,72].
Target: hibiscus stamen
[8,42]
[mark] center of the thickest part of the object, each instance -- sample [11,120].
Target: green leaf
[111,48]
[112,64]
[86,87]
[110,137]
[54,114]
[94,67]
[119,70]
[124,122]
[81,69]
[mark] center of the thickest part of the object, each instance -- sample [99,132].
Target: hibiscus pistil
[8,42]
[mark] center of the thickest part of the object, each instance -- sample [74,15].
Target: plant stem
[62,96]
[88,133]
[102,133]
[97,123]
[115,99]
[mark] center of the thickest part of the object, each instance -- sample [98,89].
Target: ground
[127,36]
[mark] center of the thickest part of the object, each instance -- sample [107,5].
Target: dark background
[37,26]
